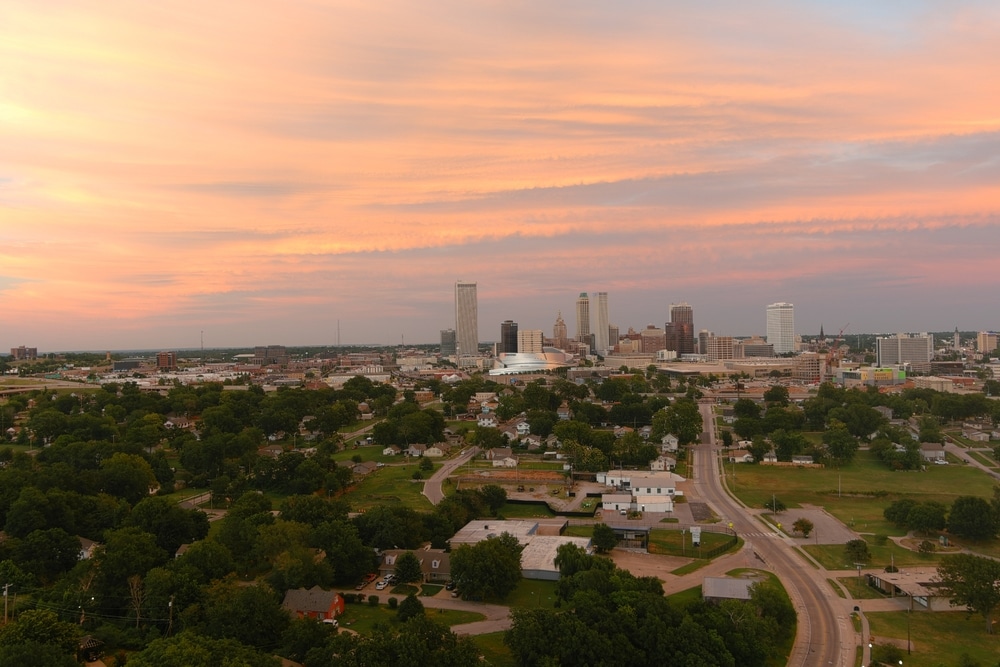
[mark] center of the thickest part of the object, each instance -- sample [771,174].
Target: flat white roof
[479,530]
[540,552]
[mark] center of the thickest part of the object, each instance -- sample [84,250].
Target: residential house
[564,413]
[87,548]
[669,443]
[623,430]
[975,436]
[416,449]
[435,564]
[745,457]
[802,459]
[532,442]
[645,432]
[364,468]
[884,410]
[487,421]
[663,462]
[770,457]
[313,603]
[498,453]
[391,450]
[932,451]
[437,450]
[274,451]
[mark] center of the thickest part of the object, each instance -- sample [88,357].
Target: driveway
[432,487]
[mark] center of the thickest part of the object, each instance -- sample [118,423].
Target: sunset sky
[262,170]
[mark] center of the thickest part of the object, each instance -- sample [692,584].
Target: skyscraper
[601,331]
[466,320]
[560,336]
[508,337]
[679,331]
[583,318]
[529,341]
[904,349]
[447,342]
[781,327]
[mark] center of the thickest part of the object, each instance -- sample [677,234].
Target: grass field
[687,596]
[518,511]
[392,485]
[532,594]
[495,652]
[859,590]
[362,617]
[938,638]
[831,556]
[675,543]
[857,503]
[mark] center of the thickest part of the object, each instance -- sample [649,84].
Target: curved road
[432,487]
[819,639]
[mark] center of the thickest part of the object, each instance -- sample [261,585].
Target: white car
[940,462]
[381,585]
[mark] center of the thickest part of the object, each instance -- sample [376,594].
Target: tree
[251,615]
[972,517]
[841,446]
[777,394]
[604,538]
[411,606]
[973,581]
[898,511]
[495,497]
[127,476]
[193,650]
[489,569]
[408,568]
[42,627]
[856,551]
[804,526]
[927,517]
[681,418]
[775,505]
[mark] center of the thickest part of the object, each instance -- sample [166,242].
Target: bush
[880,540]
[393,603]
[373,600]
[926,547]
[417,474]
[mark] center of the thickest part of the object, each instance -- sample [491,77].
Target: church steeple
[821,336]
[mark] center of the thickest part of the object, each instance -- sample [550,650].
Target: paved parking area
[827,528]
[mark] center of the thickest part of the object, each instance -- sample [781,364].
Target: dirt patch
[647,565]
[913,544]
[700,511]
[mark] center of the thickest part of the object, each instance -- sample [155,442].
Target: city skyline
[310,172]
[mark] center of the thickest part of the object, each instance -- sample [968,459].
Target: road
[432,487]
[820,635]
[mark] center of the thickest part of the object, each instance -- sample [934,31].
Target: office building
[679,332]
[466,323]
[916,350]
[560,335]
[583,318]
[508,337]
[986,341]
[447,342]
[601,333]
[23,353]
[719,347]
[529,341]
[166,361]
[781,327]
[652,339]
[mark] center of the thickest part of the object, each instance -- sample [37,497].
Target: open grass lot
[495,652]
[579,531]
[532,511]
[939,638]
[855,506]
[532,594]
[367,453]
[362,617]
[392,485]
[831,556]
[859,590]
[685,597]
[984,459]
[675,543]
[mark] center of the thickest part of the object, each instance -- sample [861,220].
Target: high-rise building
[719,347]
[653,339]
[583,318]
[24,353]
[679,331]
[703,337]
[601,332]
[447,342]
[166,361]
[508,337]
[466,322]
[613,334]
[781,327]
[529,341]
[903,349]
[986,341]
[560,335]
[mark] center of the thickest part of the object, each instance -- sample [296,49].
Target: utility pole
[5,587]
[170,614]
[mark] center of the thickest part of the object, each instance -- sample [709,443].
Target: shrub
[926,547]
[373,600]
[417,474]
[393,603]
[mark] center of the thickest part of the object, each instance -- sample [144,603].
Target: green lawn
[685,597]
[579,531]
[866,488]
[495,652]
[519,511]
[860,590]
[669,542]
[362,617]
[532,594]
[831,556]
[392,485]
[696,564]
[939,638]
[984,459]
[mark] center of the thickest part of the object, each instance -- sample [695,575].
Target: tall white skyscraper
[601,331]
[466,321]
[583,318]
[781,327]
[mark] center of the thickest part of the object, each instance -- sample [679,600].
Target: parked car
[381,585]
[332,621]
[940,462]
[450,586]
